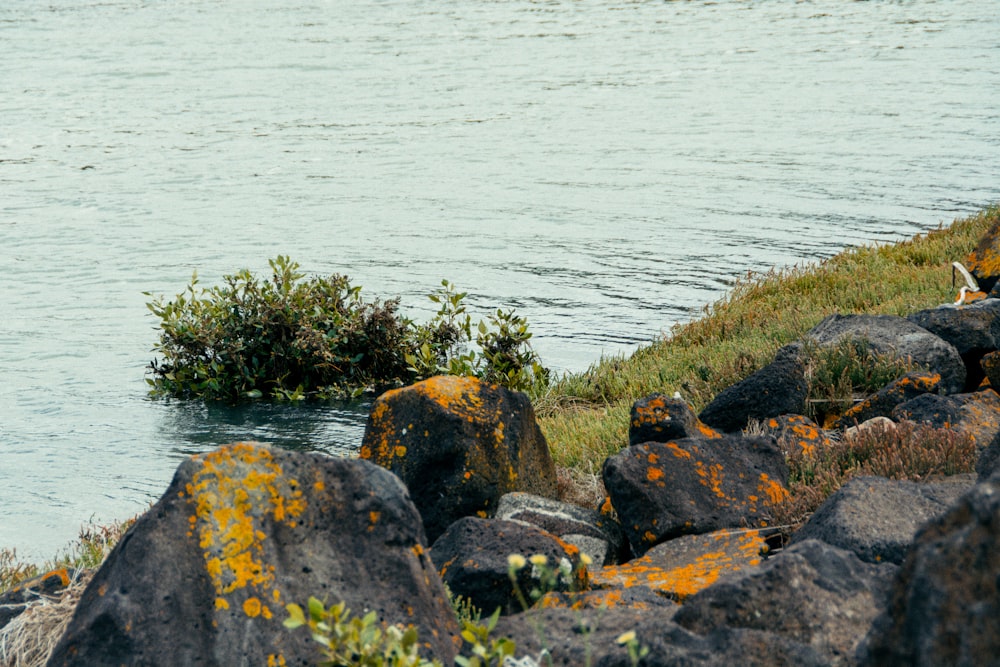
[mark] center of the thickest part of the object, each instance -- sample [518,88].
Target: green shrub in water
[293,337]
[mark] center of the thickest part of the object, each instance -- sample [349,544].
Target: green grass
[585,416]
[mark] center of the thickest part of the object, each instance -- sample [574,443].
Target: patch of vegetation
[839,374]
[91,547]
[293,337]
[347,641]
[584,416]
[900,451]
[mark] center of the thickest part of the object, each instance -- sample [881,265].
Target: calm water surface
[606,168]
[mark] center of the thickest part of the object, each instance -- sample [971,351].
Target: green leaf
[296,618]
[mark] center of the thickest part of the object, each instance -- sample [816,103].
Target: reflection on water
[605,167]
[334,428]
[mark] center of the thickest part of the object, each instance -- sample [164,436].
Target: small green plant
[837,374]
[348,641]
[292,338]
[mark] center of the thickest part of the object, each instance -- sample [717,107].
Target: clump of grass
[29,639]
[740,334]
[902,451]
[839,374]
[91,547]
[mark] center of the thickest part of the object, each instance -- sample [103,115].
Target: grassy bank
[585,416]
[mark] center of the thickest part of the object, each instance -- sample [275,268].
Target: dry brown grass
[904,451]
[580,488]
[28,640]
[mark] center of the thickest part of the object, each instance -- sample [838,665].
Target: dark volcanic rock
[882,403]
[797,434]
[567,521]
[690,486]
[973,329]
[575,637]
[945,604]
[990,363]
[778,388]
[203,577]
[811,593]
[984,261]
[459,444]
[876,518]
[976,415]
[888,334]
[471,557]
[659,418]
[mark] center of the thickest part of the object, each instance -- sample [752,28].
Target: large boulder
[660,418]
[574,524]
[690,486]
[944,607]
[459,444]
[472,558]
[974,330]
[778,388]
[976,415]
[203,577]
[984,261]
[876,518]
[575,637]
[686,565]
[811,593]
[882,402]
[889,334]
[797,435]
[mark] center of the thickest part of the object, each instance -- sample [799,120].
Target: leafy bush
[291,338]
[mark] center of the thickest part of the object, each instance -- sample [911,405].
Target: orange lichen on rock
[237,489]
[707,430]
[704,560]
[774,490]
[677,451]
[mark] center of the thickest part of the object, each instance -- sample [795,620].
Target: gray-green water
[605,167]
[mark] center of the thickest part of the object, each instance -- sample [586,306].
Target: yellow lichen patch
[221,603]
[707,431]
[399,451]
[380,418]
[654,475]
[276,660]
[454,393]
[653,458]
[236,490]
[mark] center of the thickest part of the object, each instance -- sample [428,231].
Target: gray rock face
[691,486]
[459,444]
[472,559]
[876,518]
[976,414]
[574,638]
[565,520]
[888,334]
[778,388]
[973,329]
[885,400]
[203,577]
[811,593]
[944,607]
[659,418]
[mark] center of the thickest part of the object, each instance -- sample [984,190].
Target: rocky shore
[687,559]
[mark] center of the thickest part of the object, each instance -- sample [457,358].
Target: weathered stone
[16,599]
[778,388]
[797,435]
[889,334]
[876,518]
[574,637]
[881,425]
[691,486]
[944,608]
[459,444]
[882,402]
[563,519]
[471,557]
[811,593]
[976,415]
[988,461]
[684,566]
[973,329]
[984,261]
[203,577]
[659,418]
[990,363]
